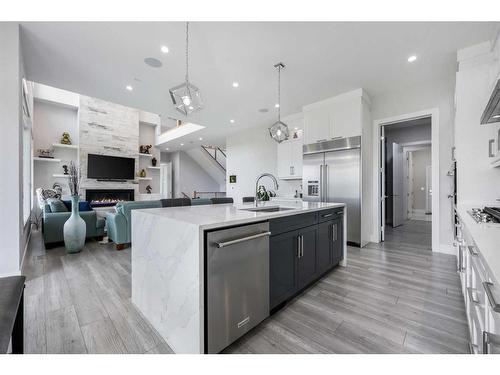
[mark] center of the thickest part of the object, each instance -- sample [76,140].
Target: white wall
[13,232]
[421,159]
[188,176]
[477,182]
[250,153]
[440,95]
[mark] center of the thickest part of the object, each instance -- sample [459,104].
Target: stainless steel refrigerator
[332,173]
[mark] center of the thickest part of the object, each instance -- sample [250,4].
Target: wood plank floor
[395,297]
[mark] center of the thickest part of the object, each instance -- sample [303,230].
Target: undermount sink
[267,209]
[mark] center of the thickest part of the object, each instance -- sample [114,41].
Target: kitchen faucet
[276,186]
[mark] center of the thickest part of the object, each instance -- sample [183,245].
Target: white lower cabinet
[482,297]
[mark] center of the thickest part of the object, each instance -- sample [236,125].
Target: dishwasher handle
[242,239]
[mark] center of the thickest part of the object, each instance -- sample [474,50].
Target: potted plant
[74,228]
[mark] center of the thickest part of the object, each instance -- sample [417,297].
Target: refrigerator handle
[321,182]
[325,179]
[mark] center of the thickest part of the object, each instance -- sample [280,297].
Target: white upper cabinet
[290,152]
[316,125]
[337,117]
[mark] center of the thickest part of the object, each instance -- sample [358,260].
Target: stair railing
[217,156]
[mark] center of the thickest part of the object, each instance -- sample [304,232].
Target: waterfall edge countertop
[219,215]
[168,263]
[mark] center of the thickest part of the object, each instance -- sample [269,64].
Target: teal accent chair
[119,223]
[53,224]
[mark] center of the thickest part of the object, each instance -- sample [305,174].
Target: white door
[428,189]
[397,185]
[382,196]
[166,180]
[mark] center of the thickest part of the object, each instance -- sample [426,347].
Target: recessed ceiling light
[412,58]
[129,88]
[182,144]
[296,128]
[164,49]
[167,149]
[276,105]
[231,121]
[235,84]
[200,139]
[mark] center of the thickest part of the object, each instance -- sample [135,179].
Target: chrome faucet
[276,186]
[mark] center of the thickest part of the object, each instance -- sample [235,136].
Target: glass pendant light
[279,130]
[186,96]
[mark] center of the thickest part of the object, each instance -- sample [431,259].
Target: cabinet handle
[292,170]
[242,239]
[471,296]
[334,232]
[472,251]
[298,247]
[327,215]
[489,338]
[321,140]
[491,298]
[301,246]
[490,148]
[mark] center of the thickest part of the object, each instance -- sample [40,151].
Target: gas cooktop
[486,215]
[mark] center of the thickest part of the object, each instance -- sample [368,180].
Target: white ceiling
[322,59]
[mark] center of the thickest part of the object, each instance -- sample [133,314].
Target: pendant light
[186,96]
[279,130]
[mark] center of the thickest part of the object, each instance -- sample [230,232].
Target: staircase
[213,161]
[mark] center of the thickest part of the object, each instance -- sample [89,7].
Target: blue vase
[74,229]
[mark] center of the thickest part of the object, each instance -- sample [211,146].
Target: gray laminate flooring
[393,297]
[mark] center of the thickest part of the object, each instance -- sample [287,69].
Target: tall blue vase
[74,229]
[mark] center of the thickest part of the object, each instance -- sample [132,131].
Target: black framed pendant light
[279,130]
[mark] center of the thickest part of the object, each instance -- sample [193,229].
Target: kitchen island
[169,261]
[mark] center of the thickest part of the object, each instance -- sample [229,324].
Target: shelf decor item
[186,96]
[149,189]
[153,161]
[65,169]
[279,130]
[75,229]
[65,139]
[45,153]
[144,149]
[142,173]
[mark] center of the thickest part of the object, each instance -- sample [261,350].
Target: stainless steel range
[490,215]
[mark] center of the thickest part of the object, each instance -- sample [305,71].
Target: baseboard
[16,273]
[25,249]
[446,249]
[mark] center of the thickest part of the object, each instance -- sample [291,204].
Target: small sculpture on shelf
[149,189]
[144,149]
[154,161]
[65,139]
[142,173]
[65,168]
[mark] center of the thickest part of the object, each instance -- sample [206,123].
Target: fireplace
[108,197]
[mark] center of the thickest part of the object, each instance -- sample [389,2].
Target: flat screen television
[103,167]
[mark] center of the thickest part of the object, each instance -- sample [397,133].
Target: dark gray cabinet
[283,252]
[302,248]
[306,261]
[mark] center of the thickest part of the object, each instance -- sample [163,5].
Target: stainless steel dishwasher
[237,282]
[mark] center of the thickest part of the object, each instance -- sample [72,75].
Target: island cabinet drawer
[294,222]
[327,215]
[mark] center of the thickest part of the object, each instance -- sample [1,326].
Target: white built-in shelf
[146,155]
[60,175]
[47,159]
[60,145]
[153,167]
[496,163]
[144,178]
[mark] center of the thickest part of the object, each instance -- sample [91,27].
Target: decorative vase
[153,161]
[75,229]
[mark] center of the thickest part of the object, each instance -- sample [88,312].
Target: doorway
[406,182]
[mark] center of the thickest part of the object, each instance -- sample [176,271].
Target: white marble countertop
[219,215]
[486,236]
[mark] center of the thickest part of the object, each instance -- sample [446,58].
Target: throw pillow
[56,205]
